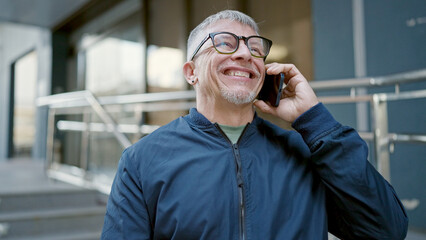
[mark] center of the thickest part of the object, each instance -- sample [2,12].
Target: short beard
[237,98]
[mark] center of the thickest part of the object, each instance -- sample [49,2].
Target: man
[222,172]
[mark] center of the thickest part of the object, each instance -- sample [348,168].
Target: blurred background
[80,80]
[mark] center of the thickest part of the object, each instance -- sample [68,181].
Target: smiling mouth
[238,74]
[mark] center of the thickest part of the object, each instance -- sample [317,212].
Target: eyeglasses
[228,43]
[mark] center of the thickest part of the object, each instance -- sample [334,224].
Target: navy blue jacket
[188,181]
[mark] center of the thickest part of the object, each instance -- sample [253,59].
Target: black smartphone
[272,89]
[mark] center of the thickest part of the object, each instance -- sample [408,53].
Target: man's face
[235,77]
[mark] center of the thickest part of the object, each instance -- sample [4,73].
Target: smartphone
[272,89]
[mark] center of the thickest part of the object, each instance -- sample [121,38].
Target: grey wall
[393,40]
[15,41]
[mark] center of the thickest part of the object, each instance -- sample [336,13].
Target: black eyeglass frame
[212,35]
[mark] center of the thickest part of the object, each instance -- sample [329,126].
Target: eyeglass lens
[228,43]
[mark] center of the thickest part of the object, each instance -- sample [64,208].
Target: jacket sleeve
[361,204]
[126,215]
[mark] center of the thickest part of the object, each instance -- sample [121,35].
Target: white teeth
[238,73]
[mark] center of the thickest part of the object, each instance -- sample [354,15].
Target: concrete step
[33,206]
[69,236]
[59,222]
[49,200]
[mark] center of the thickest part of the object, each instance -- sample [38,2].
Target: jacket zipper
[240,182]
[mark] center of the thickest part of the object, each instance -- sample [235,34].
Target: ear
[189,72]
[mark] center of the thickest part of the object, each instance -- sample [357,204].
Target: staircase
[35,207]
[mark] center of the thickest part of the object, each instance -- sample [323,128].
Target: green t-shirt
[233,133]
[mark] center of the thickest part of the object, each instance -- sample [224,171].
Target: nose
[243,52]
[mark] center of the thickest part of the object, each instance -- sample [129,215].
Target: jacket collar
[200,120]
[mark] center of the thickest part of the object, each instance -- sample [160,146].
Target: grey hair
[231,15]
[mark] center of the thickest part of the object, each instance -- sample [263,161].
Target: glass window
[166,45]
[114,62]
[166,39]
[114,67]
[25,80]
[165,69]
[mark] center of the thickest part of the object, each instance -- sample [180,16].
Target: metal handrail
[73,99]
[400,78]
[84,98]
[77,126]
[78,102]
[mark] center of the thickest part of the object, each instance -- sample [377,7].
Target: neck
[226,113]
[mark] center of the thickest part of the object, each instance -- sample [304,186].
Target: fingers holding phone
[296,97]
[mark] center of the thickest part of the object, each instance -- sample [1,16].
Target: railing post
[380,131]
[50,136]
[85,137]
